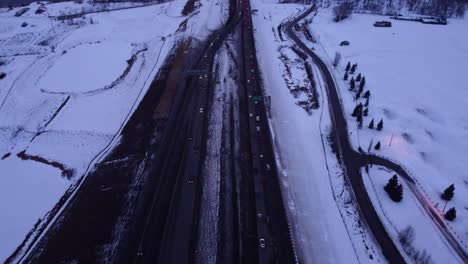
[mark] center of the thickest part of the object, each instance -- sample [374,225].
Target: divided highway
[148,190]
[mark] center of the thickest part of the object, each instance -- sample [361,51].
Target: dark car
[344,43]
[383,24]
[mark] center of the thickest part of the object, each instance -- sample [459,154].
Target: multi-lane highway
[141,205]
[266,237]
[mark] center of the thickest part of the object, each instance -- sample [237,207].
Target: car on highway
[262,243]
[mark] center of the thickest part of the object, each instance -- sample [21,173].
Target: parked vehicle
[383,24]
[344,43]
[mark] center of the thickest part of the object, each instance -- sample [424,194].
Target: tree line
[440,8]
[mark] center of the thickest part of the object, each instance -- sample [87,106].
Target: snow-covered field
[325,223]
[425,244]
[416,74]
[69,89]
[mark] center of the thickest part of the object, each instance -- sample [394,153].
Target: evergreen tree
[371,124]
[448,193]
[358,78]
[380,125]
[377,146]
[366,112]
[367,102]
[357,110]
[394,189]
[359,120]
[348,66]
[451,214]
[367,94]
[363,82]
[345,76]
[353,69]
[352,84]
[357,95]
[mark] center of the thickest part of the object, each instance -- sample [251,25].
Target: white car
[262,243]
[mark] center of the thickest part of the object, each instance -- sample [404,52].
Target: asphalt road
[266,223]
[170,230]
[352,160]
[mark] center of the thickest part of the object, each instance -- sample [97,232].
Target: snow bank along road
[353,161]
[159,163]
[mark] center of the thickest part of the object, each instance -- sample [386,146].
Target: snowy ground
[326,226]
[415,73]
[428,245]
[69,89]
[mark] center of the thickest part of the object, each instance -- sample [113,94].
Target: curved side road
[352,160]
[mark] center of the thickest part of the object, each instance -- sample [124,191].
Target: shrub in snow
[380,125]
[377,146]
[2,75]
[394,189]
[406,237]
[451,214]
[371,124]
[448,193]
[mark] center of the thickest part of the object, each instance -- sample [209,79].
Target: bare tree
[343,10]
[411,4]
[460,7]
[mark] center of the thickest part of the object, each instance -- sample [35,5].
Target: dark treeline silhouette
[440,8]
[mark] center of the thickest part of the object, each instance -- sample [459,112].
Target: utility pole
[391,139]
